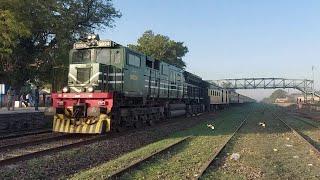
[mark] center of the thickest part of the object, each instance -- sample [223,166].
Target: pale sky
[231,38]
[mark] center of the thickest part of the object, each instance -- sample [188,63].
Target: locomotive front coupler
[79,110]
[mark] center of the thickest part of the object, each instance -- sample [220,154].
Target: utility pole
[313,84]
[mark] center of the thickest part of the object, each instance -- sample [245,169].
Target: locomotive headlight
[65,89]
[89,37]
[90,89]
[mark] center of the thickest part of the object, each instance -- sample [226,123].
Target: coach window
[134,60]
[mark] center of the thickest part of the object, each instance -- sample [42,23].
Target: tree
[54,25]
[10,31]
[279,93]
[161,47]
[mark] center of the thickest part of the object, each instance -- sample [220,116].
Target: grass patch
[183,161]
[308,131]
[273,152]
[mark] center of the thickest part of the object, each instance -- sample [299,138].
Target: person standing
[28,99]
[10,97]
[21,100]
[36,98]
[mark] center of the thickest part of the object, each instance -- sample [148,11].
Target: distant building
[282,100]
[301,98]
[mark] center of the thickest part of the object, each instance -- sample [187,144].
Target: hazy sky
[231,38]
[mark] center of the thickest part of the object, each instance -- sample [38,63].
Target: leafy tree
[10,31]
[53,25]
[279,93]
[162,48]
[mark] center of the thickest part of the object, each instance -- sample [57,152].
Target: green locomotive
[113,87]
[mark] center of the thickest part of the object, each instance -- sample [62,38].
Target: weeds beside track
[178,160]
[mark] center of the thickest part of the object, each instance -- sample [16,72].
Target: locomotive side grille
[83,75]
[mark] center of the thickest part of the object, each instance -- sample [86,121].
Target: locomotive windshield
[102,55]
[81,56]
[83,75]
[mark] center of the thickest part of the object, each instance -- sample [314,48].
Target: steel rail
[118,173]
[51,150]
[13,135]
[110,135]
[306,122]
[206,165]
[299,135]
[37,142]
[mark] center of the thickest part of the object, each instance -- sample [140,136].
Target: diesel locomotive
[112,87]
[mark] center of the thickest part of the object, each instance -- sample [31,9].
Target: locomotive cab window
[134,60]
[117,57]
[178,77]
[172,77]
[149,63]
[81,56]
[103,56]
[156,65]
[164,70]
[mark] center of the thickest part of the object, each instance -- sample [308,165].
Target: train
[112,87]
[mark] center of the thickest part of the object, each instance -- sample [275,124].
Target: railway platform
[23,119]
[4,110]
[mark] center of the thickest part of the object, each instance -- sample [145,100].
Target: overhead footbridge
[303,85]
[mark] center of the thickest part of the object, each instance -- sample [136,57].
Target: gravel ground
[63,164]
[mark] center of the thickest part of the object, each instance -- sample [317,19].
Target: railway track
[29,140]
[46,139]
[298,118]
[7,157]
[117,174]
[19,134]
[133,165]
[299,135]
[28,150]
[207,164]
